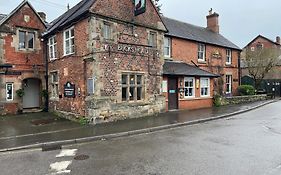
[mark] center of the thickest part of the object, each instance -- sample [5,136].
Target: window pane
[72,32]
[124,94]
[30,40]
[90,87]
[132,79]
[124,79]
[66,34]
[22,40]
[139,79]
[132,93]
[139,93]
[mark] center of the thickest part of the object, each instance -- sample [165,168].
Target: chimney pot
[42,16]
[278,40]
[213,21]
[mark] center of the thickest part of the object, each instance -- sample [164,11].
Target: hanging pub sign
[69,90]
[140,7]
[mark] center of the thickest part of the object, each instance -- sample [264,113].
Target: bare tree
[259,62]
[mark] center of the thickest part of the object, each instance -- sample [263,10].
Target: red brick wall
[196,102]
[71,69]
[23,60]
[185,50]
[30,63]
[125,11]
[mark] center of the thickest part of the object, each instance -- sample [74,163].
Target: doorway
[31,98]
[173,103]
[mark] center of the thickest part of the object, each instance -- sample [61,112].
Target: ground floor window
[205,87]
[91,86]
[54,85]
[9,91]
[189,87]
[228,84]
[132,87]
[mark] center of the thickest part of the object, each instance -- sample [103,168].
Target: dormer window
[26,40]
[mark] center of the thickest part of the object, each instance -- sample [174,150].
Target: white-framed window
[205,87]
[132,87]
[152,39]
[189,87]
[201,52]
[107,31]
[68,37]
[9,91]
[26,39]
[167,47]
[54,84]
[52,48]
[228,56]
[228,81]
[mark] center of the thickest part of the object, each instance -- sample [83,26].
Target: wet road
[246,144]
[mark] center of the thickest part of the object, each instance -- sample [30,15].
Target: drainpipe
[239,68]
[45,53]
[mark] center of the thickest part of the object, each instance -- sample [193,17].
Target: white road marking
[60,167]
[67,153]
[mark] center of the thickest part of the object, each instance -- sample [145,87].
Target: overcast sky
[240,20]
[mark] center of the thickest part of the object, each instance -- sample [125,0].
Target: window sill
[70,54]
[196,98]
[53,59]
[202,62]
[228,64]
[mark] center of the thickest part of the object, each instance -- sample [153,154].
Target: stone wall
[243,99]
[106,110]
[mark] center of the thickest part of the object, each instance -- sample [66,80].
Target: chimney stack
[278,40]
[42,16]
[213,21]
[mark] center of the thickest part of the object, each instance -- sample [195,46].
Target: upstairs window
[26,40]
[228,56]
[201,52]
[152,39]
[167,47]
[107,31]
[52,48]
[68,41]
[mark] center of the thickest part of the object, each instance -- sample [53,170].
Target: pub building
[105,62]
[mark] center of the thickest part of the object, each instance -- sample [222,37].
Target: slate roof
[184,69]
[195,33]
[71,15]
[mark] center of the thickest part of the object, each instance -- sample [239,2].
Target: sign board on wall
[69,90]
[164,86]
[140,7]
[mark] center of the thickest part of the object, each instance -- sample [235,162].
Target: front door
[31,98]
[172,93]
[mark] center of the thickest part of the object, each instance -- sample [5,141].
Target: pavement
[44,130]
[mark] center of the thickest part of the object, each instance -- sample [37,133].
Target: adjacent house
[22,66]
[105,60]
[272,79]
[199,61]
